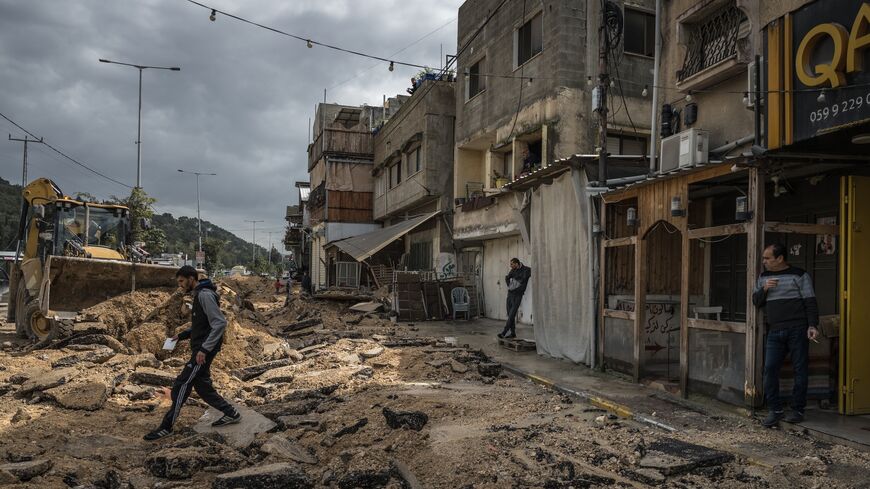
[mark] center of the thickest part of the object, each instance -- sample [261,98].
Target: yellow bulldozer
[72,255]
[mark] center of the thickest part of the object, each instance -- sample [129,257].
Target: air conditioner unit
[684,150]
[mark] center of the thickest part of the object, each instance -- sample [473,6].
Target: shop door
[855,289]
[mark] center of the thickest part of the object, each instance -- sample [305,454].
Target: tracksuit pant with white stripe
[196,377]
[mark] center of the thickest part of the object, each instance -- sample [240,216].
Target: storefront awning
[365,245]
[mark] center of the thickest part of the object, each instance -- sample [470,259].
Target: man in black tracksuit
[791,314]
[517,280]
[206,334]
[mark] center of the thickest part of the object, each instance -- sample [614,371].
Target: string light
[821,99]
[391,68]
[215,11]
[308,43]
[745,98]
[213,15]
[689,97]
[589,81]
[645,91]
[612,83]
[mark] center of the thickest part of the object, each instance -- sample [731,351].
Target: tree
[86,197]
[141,207]
[213,249]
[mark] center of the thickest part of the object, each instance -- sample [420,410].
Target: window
[626,145]
[421,256]
[414,161]
[381,185]
[395,174]
[713,40]
[347,274]
[474,83]
[529,39]
[640,32]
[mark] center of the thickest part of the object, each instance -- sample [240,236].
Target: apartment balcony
[340,142]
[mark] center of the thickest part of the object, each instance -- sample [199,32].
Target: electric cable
[70,158]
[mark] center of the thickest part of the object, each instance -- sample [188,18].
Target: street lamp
[198,218]
[139,125]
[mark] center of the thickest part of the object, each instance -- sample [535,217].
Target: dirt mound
[124,312]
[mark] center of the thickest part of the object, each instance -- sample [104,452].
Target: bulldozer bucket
[73,283]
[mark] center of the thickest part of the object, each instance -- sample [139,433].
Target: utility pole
[198,217]
[603,82]
[270,246]
[24,163]
[254,241]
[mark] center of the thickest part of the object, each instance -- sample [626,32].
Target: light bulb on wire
[213,15]
[645,91]
[392,67]
[821,99]
[308,43]
[689,98]
[589,81]
[745,98]
[612,83]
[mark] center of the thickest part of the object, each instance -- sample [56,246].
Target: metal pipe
[655,92]
[726,148]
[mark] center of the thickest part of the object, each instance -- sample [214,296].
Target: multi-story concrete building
[413,171]
[769,104]
[340,172]
[523,102]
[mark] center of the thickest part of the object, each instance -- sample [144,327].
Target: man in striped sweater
[791,314]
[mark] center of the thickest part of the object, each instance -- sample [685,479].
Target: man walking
[791,314]
[206,334]
[517,280]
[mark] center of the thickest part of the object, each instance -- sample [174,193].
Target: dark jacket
[791,303]
[207,322]
[522,276]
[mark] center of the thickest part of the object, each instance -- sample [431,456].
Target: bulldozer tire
[40,327]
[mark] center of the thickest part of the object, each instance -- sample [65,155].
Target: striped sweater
[791,303]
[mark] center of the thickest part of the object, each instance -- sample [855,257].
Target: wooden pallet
[517,344]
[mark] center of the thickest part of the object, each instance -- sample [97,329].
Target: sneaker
[226,419]
[772,419]
[157,434]
[794,417]
[500,335]
[510,336]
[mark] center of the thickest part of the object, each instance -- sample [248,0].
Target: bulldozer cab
[90,230]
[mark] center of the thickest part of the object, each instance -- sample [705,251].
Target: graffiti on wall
[660,323]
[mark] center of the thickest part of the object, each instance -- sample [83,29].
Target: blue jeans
[780,342]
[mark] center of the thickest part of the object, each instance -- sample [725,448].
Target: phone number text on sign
[839,108]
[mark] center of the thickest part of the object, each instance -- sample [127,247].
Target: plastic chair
[461,303]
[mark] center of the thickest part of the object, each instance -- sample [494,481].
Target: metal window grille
[347,274]
[712,41]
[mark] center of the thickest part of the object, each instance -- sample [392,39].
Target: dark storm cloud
[239,107]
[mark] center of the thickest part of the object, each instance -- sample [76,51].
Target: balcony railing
[340,142]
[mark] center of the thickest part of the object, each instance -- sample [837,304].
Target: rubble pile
[330,397]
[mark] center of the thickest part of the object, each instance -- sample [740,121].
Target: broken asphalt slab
[241,434]
[670,456]
[24,471]
[264,477]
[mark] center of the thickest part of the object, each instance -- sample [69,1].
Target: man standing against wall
[517,280]
[791,314]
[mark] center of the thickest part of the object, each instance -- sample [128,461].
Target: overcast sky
[239,107]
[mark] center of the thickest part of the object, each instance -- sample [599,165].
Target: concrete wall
[495,221]
[430,113]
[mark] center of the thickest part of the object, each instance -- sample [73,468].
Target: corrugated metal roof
[365,245]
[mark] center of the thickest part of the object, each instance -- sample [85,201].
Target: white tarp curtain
[562,269]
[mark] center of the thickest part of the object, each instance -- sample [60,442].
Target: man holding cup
[791,314]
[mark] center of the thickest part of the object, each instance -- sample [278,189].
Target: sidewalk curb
[620,410]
